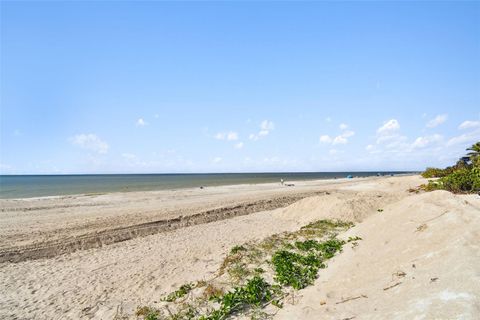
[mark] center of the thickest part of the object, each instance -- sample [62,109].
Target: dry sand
[424,246]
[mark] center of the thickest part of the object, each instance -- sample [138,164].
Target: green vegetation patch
[294,269]
[463,177]
[254,293]
[256,274]
[181,292]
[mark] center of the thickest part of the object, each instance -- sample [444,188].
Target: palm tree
[474,154]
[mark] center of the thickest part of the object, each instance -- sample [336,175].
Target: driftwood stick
[352,298]
[392,286]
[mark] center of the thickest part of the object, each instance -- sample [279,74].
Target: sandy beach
[95,256]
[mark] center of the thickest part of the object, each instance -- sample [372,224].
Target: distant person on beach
[281,181]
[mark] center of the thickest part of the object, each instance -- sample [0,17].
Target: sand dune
[437,232]
[419,259]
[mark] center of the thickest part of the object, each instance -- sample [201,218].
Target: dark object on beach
[201,187]
[392,286]
[289,185]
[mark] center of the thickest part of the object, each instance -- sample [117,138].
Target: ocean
[25,186]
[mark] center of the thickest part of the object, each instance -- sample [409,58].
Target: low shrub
[462,181]
[463,177]
[437,172]
[296,270]
[253,294]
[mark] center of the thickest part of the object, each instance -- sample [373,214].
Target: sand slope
[419,259]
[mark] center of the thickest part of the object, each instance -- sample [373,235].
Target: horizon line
[202,173]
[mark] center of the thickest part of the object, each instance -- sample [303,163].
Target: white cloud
[265,128]
[90,142]
[469,124]
[217,160]
[267,125]
[438,120]
[325,139]
[388,134]
[348,134]
[422,142]
[232,136]
[423,150]
[229,136]
[141,123]
[343,126]
[388,127]
[340,139]
[389,140]
[466,138]
[220,136]
[239,145]
[343,138]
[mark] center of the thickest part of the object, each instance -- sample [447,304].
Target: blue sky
[114,87]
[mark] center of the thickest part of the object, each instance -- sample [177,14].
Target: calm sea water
[22,186]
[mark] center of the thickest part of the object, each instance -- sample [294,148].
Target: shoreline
[191,185]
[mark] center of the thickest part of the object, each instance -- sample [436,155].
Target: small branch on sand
[431,219]
[436,217]
[352,298]
[392,286]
